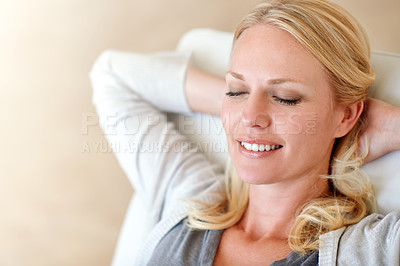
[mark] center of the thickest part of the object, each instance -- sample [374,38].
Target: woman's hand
[382,131]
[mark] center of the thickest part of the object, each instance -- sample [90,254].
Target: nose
[255,112]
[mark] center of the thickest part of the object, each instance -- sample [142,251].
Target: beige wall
[59,204]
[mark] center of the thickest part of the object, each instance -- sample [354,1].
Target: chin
[256,177]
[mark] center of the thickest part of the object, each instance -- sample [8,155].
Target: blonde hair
[335,38]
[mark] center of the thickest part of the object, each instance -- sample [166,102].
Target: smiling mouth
[259,147]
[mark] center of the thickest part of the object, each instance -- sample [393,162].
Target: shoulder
[375,240]
[376,226]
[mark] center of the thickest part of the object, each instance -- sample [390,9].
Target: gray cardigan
[132,92]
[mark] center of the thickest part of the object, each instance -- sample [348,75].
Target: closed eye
[287,101]
[234,94]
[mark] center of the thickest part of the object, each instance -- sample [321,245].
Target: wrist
[393,126]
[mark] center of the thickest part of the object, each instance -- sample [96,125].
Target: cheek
[311,128]
[224,110]
[295,123]
[225,116]
[230,115]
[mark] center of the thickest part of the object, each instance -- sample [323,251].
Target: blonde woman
[292,196]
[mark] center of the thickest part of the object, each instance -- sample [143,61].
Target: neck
[273,208]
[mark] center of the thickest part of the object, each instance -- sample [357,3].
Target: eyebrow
[271,81]
[236,75]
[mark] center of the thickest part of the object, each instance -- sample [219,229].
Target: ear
[348,118]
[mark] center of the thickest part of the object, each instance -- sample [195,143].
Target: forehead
[267,52]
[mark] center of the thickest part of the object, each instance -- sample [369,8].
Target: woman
[294,196]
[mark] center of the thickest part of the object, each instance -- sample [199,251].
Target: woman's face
[278,114]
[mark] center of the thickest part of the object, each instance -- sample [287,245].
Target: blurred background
[62,193]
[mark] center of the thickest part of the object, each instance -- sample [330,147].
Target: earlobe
[350,117]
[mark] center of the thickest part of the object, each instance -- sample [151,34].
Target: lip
[256,154]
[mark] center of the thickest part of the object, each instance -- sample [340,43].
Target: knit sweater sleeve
[132,92]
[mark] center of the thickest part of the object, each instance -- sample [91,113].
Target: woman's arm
[383,129]
[130,92]
[204,91]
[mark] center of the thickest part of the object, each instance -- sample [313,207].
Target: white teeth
[259,147]
[254,147]
[247,146]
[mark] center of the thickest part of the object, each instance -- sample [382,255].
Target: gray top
[183,246]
